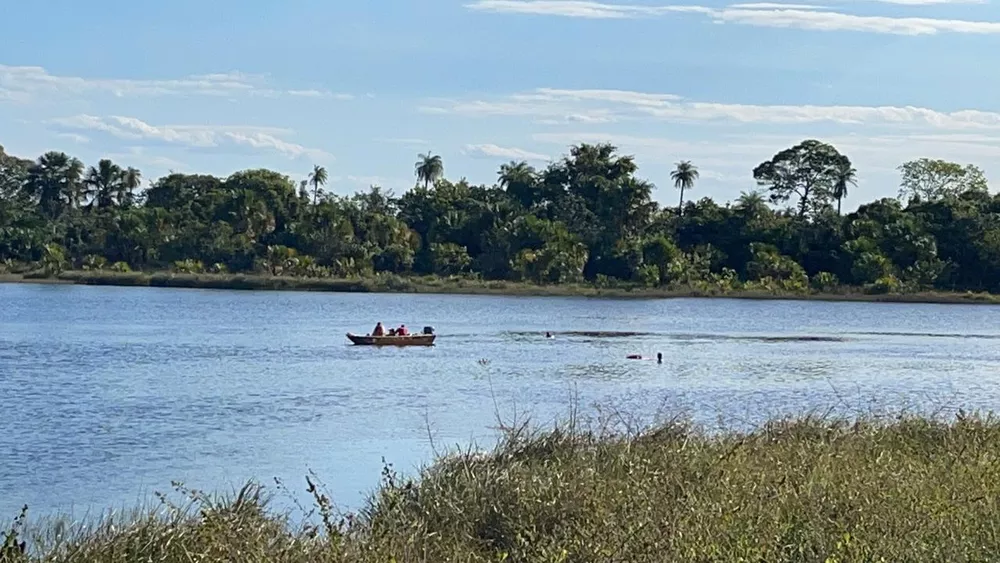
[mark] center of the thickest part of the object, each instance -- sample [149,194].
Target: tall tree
[317,178]
[54,180]
[845,175]
[104,183]
[808,170]
[429,168]
[930,180]
[520,180]
[684,176]
[131,180]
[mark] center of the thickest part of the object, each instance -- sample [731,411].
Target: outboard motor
[428,330]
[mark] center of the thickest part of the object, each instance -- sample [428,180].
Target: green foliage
[928,179]
[812,170]
[450,259]
[587,217]
[824,282]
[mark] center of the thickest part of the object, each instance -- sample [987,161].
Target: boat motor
[428,330]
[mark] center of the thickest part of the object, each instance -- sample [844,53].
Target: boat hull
[410,340]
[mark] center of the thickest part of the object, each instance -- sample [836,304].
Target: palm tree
[131,180]
[845,175]
[103,183]
[317,178]
[430,168]
[54,181]
[684,177]
[519,179]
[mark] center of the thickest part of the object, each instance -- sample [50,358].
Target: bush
[824,282]
[884,285]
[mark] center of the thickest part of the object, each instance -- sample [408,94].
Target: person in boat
[392,332]
[402,331]
[379,330]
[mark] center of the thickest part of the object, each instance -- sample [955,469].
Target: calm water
[112,393]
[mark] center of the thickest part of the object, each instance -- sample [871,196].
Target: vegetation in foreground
[586,219]
[913,489]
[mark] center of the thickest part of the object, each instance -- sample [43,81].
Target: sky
[362,87]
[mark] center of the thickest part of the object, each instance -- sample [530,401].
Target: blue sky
[362,87]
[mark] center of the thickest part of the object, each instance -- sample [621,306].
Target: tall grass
[807,489]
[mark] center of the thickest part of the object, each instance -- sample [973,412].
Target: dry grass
[913,489]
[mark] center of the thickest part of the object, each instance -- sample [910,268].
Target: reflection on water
[111,393]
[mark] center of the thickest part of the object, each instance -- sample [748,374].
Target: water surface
[112,393]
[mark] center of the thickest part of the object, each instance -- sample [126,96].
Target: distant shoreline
[431,285]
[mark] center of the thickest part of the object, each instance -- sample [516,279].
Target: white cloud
[777,6]
[835,21]
[510,153]
[75,137]
[24,83]
[552,106]
[405,141]
[138,157]
[191,136]
[766,14]
[572,8]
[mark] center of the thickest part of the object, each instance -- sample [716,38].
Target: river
[112,393]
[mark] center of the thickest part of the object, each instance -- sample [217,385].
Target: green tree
[684,176]
[429,168]
[808,170]
[927,179]
[131,181]
[846,176]
[104,183]
[318,177]
[55,181]
[520,180]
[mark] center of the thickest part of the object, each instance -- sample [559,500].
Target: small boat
[408,340]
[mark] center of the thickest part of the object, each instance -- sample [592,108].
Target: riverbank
[793,490]
[431,284]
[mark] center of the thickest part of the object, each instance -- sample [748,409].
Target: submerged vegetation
[808,489]
[587,220]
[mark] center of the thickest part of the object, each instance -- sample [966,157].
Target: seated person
[379,330]
[403,331]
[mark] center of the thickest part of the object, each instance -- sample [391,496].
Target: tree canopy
[589,216]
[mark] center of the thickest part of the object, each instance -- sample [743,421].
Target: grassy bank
[432,284]
[804,490]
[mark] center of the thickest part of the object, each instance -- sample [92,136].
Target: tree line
[586,217]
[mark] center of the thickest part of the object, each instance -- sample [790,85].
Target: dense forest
[588,217]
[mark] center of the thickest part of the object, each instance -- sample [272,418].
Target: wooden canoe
[409,340]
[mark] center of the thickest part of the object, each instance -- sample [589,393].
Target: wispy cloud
[552,106]
[141,158]
[25,83]
[191,136]
[777,6]
[767,14]
[510,153]
[576,9]
[411,141]
[75,137]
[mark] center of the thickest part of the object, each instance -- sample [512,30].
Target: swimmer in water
[548,335]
